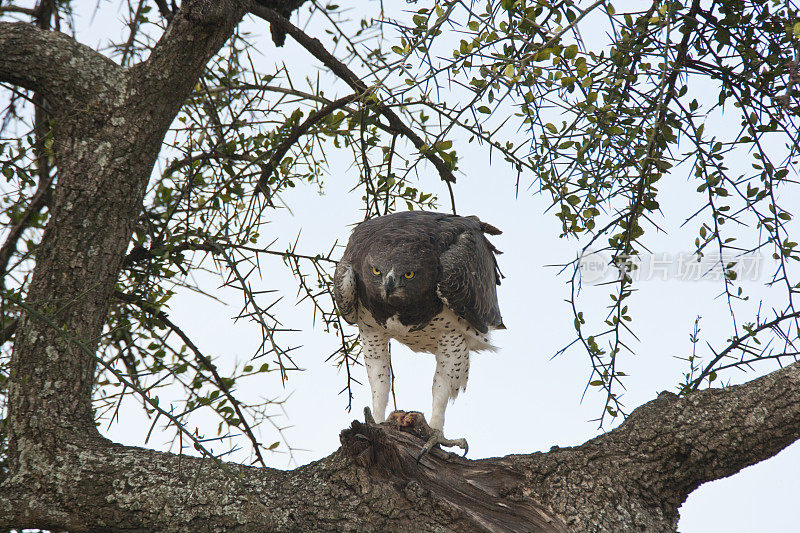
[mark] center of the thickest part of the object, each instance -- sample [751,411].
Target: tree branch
[193,36]
[632,478]
[666,449]
[17,9]
[740,342]
[714,433]
[205,362]
[315,47]
[36,204]
[373,483]
[64,71]
[298,131]
[164,9]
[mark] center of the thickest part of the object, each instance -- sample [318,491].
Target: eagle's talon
[437,437]
[368,418]
[429,281]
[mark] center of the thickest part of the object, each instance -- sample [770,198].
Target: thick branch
[373,484]
[714,433]
[637,476]
[64,71]
[194,35]
[105,149]
[632,478]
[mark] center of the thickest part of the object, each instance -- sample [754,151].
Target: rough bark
[109,123]
[637,476]
[630,479]
[108,126]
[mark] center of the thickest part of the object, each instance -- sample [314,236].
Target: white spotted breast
[427,338]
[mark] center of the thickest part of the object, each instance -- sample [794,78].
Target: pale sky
[518,400]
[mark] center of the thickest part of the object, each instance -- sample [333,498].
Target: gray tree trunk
[109,126]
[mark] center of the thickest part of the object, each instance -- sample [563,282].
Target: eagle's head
[400,276]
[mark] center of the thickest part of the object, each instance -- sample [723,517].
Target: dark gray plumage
[428,280]
[450,255]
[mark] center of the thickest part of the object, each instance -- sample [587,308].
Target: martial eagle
[428,280]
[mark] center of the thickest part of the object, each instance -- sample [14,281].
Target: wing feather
[344,291]
[470,276]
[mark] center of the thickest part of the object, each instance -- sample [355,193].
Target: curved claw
[430,443]
[438,438]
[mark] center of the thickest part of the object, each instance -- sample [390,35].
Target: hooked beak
[389,285]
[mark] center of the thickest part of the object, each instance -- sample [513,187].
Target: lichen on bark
[63,475]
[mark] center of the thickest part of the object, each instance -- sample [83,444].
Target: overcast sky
[518,400]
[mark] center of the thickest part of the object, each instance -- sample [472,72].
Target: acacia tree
[166,153]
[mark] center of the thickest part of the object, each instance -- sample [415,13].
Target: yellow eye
[376,271]
[409,275]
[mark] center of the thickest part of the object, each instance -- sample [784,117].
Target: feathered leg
[452,370]
[377,360]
